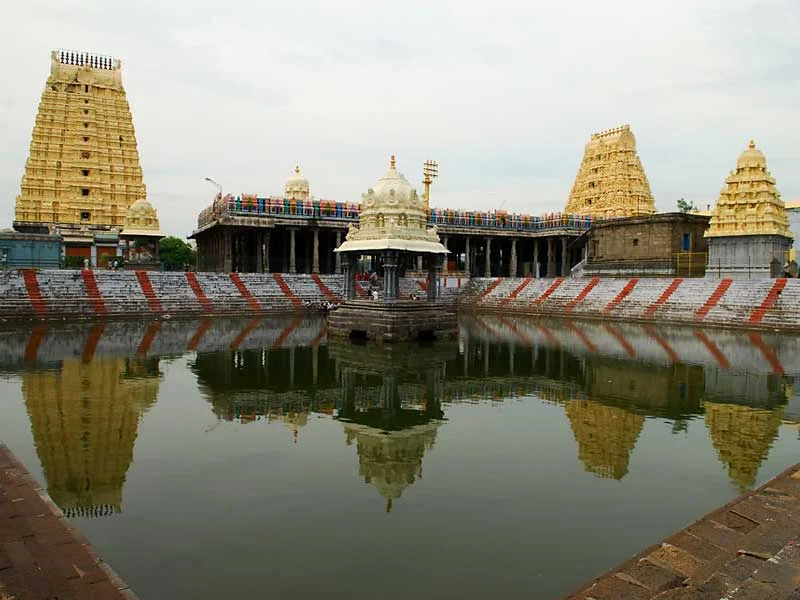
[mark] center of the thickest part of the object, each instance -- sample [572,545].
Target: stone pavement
[42,556]
[746,550]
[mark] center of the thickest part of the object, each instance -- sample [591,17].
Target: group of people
[321,306]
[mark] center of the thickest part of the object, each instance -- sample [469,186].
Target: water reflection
[84,417]
[87,388]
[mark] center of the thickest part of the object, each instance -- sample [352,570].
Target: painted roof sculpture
[392,217]
[749,204]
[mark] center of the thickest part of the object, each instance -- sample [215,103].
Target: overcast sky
[504,95]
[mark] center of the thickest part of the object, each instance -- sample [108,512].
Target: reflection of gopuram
[742,437]
[606,436]
[392,433]
[84,419]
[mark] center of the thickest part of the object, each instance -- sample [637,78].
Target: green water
[501,464]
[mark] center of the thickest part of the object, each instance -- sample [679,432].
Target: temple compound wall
[725,302]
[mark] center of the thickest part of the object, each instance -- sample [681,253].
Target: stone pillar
[512,270]
[227,252]
[315,255]
[564,258]
[266,252]
[338,255]
[419,263]
[487,268]
[535,258]
[511,350]
[259,251]
[349,268]
[466,255]
[390,280]
[314,363]
[551,257]
[292,255]
[291,367]
[433,278]
[444,265]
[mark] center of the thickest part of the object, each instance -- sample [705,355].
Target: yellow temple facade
[749,203]
[611,181]
[83,168]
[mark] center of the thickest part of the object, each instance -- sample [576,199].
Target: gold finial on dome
[392,162]
[752,144]
[297,169]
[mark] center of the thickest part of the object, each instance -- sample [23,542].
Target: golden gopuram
[749,230]
[611,181]
[83,170]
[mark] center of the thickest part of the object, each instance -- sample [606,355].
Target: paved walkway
[42,556]
[746,550]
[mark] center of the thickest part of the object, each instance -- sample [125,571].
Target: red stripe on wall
[549,291]
[584,292]
[198,292]
[251,300]
[287,291]
[516,292]
[147,289]
[663,297]
[34,293]
[713,299]
[621,296]
[490,288]
[326,291]
[769,301]
[93,292]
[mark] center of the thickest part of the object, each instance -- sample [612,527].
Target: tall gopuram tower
[611,181]
[748,235]
[83,170]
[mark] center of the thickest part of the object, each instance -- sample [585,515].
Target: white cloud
[504,95]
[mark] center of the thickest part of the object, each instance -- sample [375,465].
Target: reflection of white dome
[297,187]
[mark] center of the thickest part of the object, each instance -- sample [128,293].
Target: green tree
[175,253]
[686,207]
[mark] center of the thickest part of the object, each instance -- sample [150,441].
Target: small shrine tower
[611,181]
[392,223]
[748,235]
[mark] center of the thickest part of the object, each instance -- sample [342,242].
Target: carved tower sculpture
[611,181]
[748,235]
[83,168]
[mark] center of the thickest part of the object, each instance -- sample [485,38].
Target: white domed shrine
[392,225]
[139,238]
[297,186]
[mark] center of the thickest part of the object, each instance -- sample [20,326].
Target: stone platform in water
[397,321]
[748,549]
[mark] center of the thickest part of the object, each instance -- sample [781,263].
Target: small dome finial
[392,162]
[752,144]
[297,169]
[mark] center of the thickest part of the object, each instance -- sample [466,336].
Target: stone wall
[755,303]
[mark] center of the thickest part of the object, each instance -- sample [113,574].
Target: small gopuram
[140,238]
[611,181]
[748,235]
[83,170]
[393,224]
